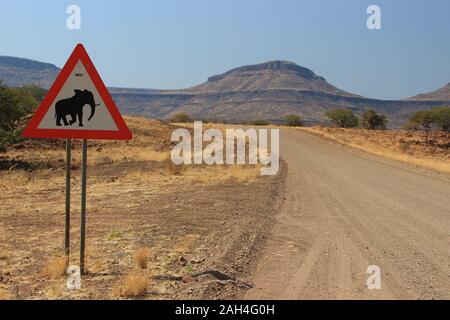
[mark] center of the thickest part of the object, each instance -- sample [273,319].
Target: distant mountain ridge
[266,91]
[17,72]
[442,94]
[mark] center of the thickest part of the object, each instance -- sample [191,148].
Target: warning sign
[78,106]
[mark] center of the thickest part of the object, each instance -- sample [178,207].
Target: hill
[266,91]
[439,94]
[17,72]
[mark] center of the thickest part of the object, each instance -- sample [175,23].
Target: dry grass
[20,177]
[133,285]
[185,245]
[141,258]
[55,268]
[172,168]
[120,181]
[216,173]
[5,296]
[393,144]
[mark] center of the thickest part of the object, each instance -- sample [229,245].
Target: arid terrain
[346,210]
[154,230]
[401,145]
[267,91]
[341,202]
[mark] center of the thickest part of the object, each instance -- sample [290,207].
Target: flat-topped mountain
[440,94]
[267,91]
[272,75]
[17,72]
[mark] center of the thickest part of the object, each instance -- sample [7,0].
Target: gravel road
[346,210]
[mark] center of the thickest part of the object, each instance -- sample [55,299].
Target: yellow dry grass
[185,245]
[141,258]
[5,296]
[55,268]
[133,285]
[20,177]
[389,144]
[220,173]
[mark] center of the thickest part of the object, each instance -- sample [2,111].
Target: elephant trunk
[93,110]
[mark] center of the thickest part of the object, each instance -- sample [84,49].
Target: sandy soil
[202,227]
[346,210]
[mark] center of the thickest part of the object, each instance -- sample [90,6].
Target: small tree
[343,118]
[15,105]
[260,122]
[371,120]
[293,120]
[180,118]
[442,118]
[424,119]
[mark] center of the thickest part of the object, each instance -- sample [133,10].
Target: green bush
[371,120]
[343,118]
[180,118]
[423,119]
[15,105]
[260,122]
[442,118]
[293,120]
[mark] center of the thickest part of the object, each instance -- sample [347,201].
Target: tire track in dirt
[345,211]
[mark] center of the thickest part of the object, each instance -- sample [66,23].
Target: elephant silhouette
[74,107]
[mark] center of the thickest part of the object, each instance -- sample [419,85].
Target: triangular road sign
[78,106]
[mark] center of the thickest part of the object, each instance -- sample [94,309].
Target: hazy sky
[177,44]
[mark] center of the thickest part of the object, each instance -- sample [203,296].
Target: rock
[197,260]
[188,279]
[182,260]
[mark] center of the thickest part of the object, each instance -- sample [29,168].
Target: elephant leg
[73,119]
[80,119]
[64,119]
[58,120]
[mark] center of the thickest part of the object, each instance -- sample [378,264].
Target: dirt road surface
[346,210]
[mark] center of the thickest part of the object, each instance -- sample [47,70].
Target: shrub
[424,119]
[181,118]
[134,285]
[15,105]
[293,120]
[371,120]
[442,118]
[55,268]
[343,118]
[141,257]
[260,122]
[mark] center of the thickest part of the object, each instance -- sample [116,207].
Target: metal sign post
[83,207]
[77,85]
[67,227]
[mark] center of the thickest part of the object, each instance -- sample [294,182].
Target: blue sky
[176,44]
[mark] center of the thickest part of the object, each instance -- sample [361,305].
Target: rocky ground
[154,230]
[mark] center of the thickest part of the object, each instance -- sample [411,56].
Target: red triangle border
[33,131]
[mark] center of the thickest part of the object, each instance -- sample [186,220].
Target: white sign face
[78,106]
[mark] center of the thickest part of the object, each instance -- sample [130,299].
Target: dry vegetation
[141,257]
[145,217]
[399,145]
[55,268]
[132,286]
